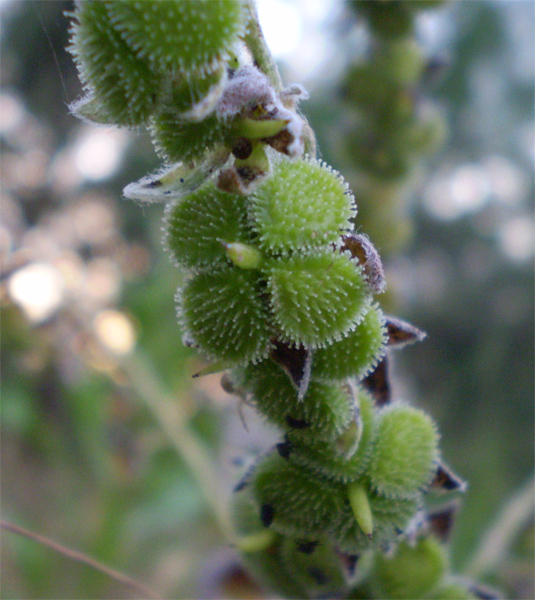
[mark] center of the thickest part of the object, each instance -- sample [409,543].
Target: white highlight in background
[37,289]
[98,153]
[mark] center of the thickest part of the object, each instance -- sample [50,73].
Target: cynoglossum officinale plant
[279,293]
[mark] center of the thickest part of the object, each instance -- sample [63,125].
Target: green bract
[199,224]
[222,312]
[303,204]
[405,452]
[317,298]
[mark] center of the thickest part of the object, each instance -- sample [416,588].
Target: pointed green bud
[323,413]
[304,204]
[223,313]
[360,505]
[390,518]
[317,298]
[355,355]
[256,542]
[411,572]
[212,368]
[200,226]
[326,457]
[243,256]
[405,455]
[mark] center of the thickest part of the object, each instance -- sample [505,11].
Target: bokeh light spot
[38,289]
[115,331]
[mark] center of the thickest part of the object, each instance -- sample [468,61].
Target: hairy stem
[82,558]
[255,41]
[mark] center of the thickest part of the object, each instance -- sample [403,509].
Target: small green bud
[405,454]
[303,204]
[360,505]
[320,571]
[323,413]
[180,37]
[243,256]
[222,312]
[199,225]
[357,353]
[326,457]
[411,572]
[293,500]
[317,298]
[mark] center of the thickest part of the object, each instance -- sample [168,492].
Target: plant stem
[82,558]
[255,41]
[167,410]
[495,544]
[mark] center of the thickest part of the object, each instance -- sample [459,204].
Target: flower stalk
[280,291]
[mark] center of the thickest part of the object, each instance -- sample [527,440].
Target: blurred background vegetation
[98,403]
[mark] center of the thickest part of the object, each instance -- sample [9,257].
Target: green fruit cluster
[173,67]
[389,123]
[279,290]
[396,126]
[261,272]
